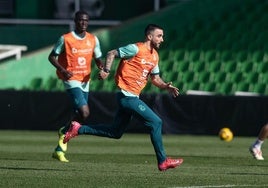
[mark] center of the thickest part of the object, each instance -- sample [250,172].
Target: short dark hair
[80,12]
[151,27]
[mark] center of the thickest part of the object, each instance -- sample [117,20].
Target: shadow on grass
[249,173]
[23,168]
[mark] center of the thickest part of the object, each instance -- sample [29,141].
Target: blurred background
[215,52]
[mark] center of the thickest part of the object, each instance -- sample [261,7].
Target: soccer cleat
[62,145]
[169,163]
[72,132]
[256,153]
[60,156]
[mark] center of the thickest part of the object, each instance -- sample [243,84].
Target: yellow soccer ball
[226,134]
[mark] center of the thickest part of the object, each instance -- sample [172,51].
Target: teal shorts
[79,97]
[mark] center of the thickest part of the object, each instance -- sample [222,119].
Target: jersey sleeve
[155,70]
[97,49]
[59,46]
[128,51]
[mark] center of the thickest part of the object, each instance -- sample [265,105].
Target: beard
[155,45]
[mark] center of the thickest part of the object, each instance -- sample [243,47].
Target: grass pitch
[25,161]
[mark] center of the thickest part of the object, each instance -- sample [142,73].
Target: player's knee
[265,128]
[117,135]
[156,125]
[84,114]
[158,122]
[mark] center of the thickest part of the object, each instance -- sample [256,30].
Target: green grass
[25,161]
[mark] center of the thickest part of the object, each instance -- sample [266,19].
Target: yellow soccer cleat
[60,156]
[62,145]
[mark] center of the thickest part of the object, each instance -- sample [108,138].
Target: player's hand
[66,74]
[103,75]
[100,65]
[172,89]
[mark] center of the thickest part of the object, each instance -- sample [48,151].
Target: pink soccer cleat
[169,163]
[72,132]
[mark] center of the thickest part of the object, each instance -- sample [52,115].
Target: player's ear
[150,36]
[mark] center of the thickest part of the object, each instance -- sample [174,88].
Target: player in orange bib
[139,61]
[72,56]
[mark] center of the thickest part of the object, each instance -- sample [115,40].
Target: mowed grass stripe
[25,161]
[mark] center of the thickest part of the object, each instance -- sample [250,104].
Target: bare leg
[255,149]
[83,114]
[263,133]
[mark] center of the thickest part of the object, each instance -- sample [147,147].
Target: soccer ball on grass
[226,134]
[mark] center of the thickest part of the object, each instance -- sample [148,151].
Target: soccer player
[72,56]
[255,149]
[139,61]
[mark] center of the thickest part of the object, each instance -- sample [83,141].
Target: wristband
[106,70]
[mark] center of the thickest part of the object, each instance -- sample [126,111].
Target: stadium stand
[215,46]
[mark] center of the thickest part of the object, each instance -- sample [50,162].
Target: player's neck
[80,33]
[148,46]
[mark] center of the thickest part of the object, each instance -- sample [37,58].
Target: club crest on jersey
[81,61]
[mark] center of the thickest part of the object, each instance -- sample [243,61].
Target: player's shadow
[249,173]
[23,168]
